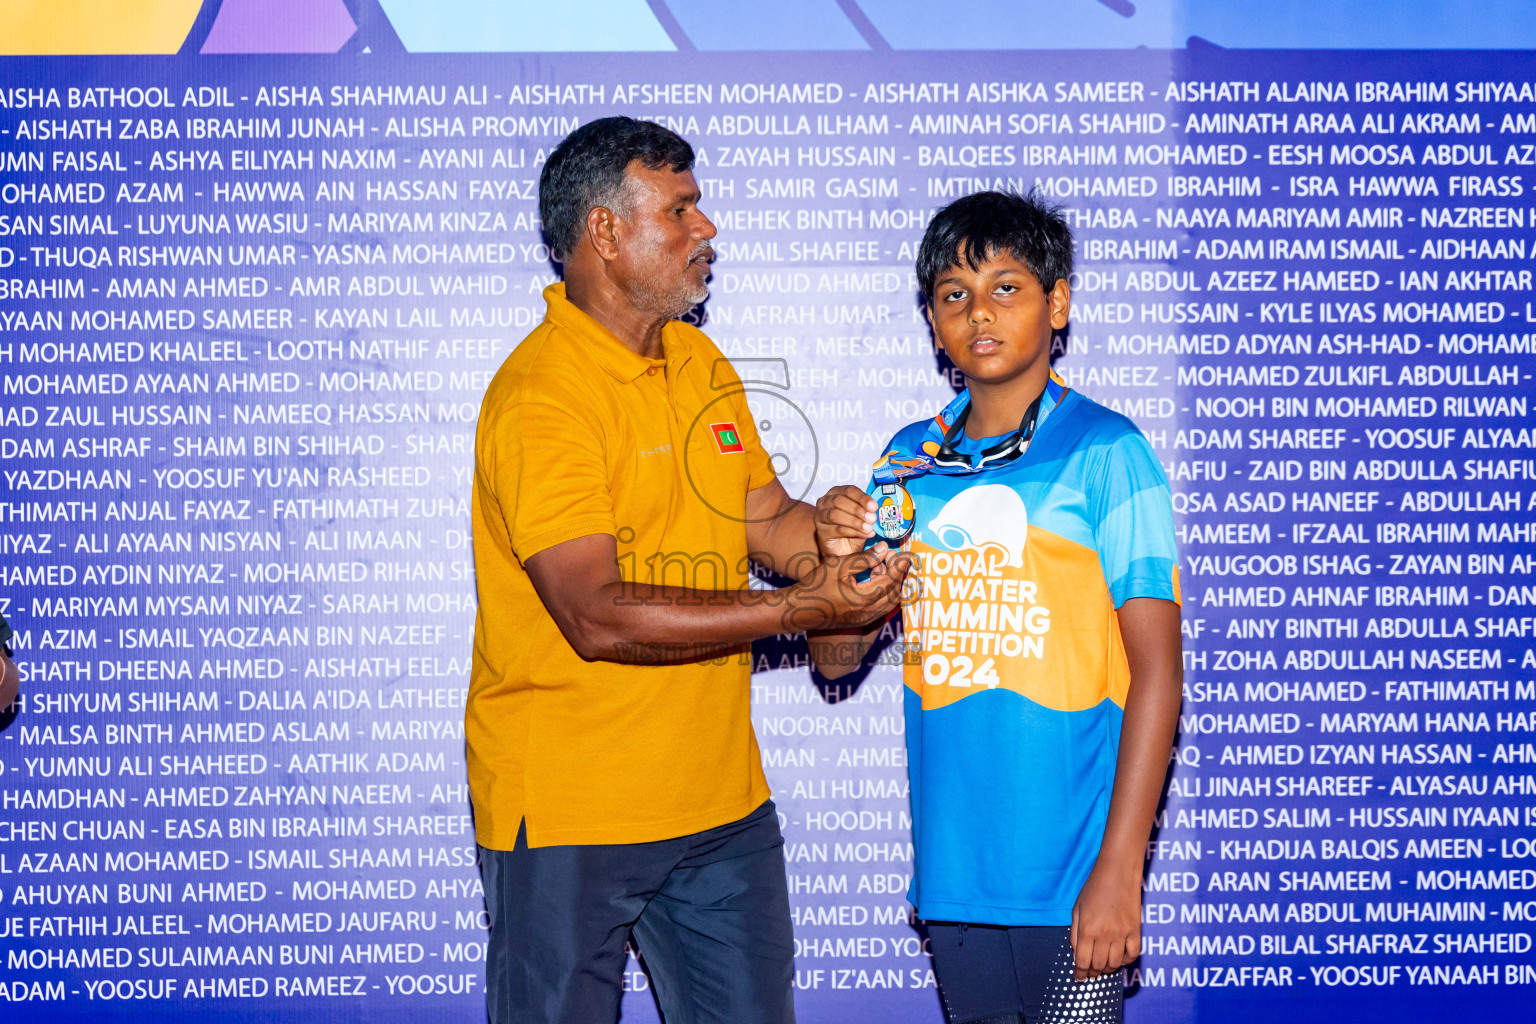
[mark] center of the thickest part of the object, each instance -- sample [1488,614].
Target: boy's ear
[1060,298]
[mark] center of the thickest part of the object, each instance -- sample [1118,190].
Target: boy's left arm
[1106,921]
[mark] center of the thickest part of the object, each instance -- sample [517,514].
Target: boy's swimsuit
[1016,676]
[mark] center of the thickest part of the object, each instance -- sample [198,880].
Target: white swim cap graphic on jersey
[984,515]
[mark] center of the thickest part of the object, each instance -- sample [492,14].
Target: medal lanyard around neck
[1005,451]
[935,451]
[895,512]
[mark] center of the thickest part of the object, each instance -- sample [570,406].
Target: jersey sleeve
[550,477]
[1132,511]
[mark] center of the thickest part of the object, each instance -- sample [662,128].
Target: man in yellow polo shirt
[620,490]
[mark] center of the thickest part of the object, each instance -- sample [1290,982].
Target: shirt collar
[1055,393]
[621,361]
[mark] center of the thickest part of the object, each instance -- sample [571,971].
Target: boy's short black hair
[587,170]
[979,226]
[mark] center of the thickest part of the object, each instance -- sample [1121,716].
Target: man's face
[663,242]
[995,322]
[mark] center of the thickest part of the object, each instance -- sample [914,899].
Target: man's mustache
[703,249]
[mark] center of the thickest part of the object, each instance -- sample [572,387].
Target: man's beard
[678,300]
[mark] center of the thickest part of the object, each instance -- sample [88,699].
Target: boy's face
[995,322]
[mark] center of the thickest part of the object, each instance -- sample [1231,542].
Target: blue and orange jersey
[1016,676]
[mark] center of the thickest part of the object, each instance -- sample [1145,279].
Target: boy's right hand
[845,520]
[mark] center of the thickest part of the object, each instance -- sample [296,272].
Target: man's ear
[603,232]
[1060,298]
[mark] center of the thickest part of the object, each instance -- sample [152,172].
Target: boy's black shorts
[991,975]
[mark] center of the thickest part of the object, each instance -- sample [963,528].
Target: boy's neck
[997,408]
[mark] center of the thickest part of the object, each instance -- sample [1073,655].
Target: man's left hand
[845,520]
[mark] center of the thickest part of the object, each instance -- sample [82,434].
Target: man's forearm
[785,541]
[605,617]
[632,622]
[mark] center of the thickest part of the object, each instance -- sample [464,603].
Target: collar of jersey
[621,361]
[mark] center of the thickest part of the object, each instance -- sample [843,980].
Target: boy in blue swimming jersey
[1041,625]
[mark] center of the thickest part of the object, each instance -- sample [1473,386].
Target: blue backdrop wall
[255,276]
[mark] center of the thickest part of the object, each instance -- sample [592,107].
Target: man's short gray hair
[587,170]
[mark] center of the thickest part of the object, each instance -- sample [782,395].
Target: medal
[895,514]
[935,452]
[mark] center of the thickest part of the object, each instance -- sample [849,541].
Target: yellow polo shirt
[581,435]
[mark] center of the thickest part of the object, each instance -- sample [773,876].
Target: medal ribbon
[899,463]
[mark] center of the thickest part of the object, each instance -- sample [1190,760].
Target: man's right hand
[832,597]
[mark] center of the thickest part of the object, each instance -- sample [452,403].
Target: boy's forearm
[1150,630]
[835,654]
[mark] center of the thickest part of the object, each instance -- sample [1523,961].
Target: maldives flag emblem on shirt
[726,438]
